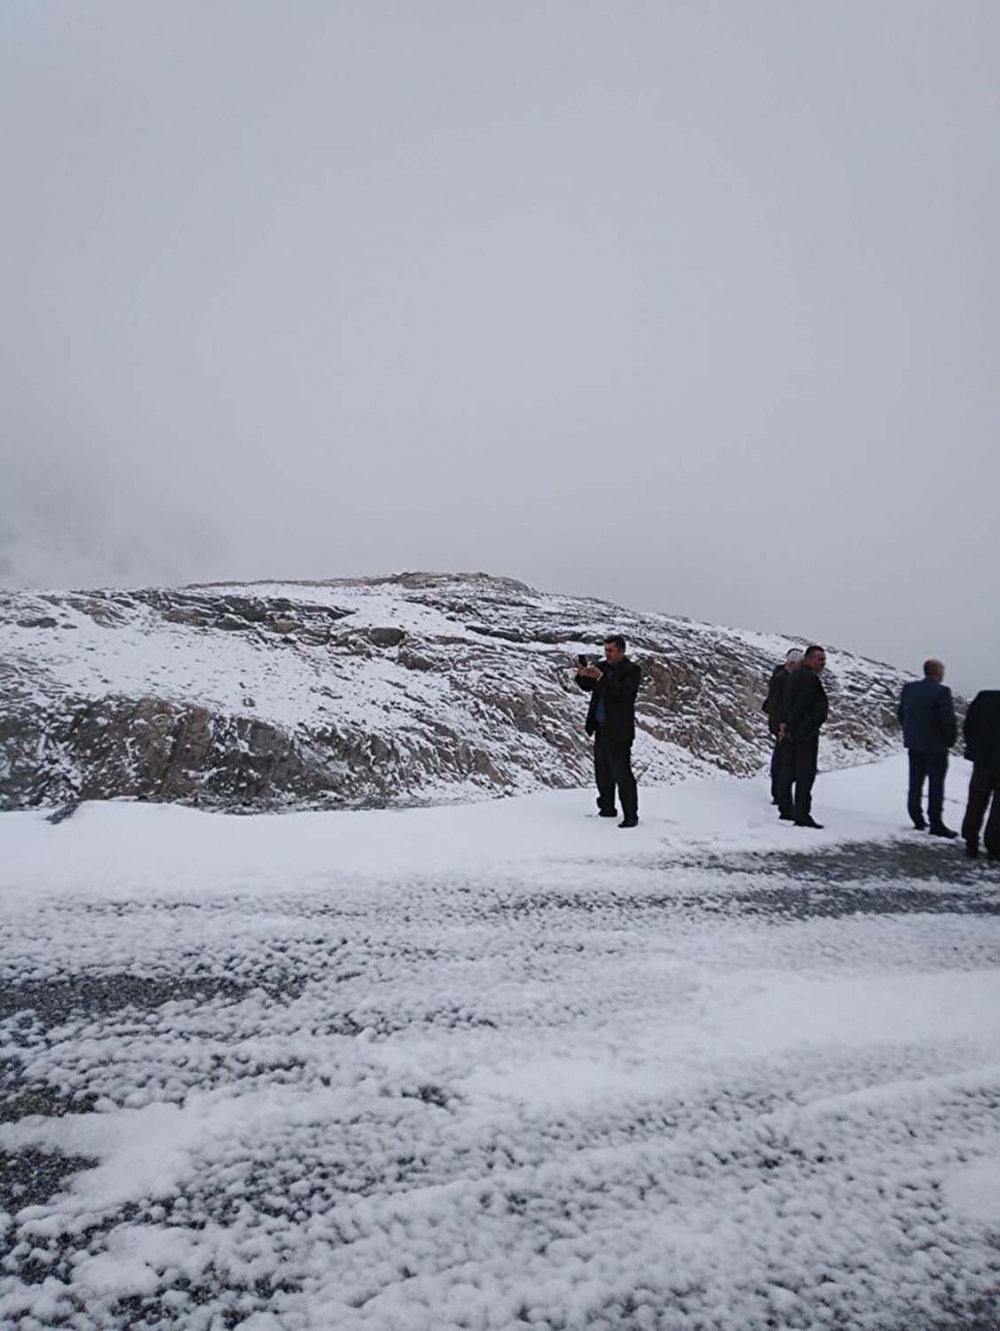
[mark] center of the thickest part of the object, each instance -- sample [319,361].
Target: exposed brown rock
[386,637]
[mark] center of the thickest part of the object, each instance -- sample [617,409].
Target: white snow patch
[974,1193]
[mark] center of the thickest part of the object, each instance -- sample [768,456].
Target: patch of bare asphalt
[31,1177]
[867,878]
[55,1001]
[920,858]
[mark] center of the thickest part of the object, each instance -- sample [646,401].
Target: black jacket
[804,706]
[619,689]
[982,730]
[927,715]
[780,676]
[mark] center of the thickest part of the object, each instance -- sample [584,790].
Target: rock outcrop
[409,689]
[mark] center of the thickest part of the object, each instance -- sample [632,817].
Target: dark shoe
[608,813]
[809,822]
[993,855]
[920,827]
[972,850]
[787,817]
[941,830]
[629,822]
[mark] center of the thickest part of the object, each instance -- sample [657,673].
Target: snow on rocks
[414,689]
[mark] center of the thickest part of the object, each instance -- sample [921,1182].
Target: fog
[692,306]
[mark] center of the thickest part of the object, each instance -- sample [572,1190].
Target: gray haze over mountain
[692,306]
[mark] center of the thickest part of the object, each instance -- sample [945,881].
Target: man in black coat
[927,715]
[982,745]
[780,676]
[613,685]
[804,710]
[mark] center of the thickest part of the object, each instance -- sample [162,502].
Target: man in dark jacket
[927,715]
[780,676]
[982,745]
[613,685]
[804,710]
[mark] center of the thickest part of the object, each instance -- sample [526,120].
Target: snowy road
[500,1066]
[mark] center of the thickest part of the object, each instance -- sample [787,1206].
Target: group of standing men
[796,708]
[796,704]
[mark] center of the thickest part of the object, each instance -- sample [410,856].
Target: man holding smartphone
[612,684]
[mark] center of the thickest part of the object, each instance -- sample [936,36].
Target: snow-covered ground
[501,1065]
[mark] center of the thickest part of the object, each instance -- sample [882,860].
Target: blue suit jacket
[927,715]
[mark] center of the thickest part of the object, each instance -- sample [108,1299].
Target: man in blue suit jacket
[927,715]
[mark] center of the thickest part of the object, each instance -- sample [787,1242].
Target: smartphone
[582,662]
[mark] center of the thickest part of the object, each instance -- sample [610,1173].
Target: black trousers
[984,793]
[776,770]
[932,768]
[613,767]
[799,761]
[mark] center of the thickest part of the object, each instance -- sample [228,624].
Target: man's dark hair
[617,640]
[812,649]
[933,668]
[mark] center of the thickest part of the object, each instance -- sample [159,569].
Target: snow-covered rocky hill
[416,688]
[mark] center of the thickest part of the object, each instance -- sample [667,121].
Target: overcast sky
[694,306]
